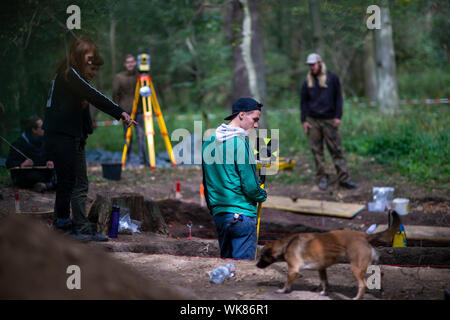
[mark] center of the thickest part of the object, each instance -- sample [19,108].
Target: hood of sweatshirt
[225,132]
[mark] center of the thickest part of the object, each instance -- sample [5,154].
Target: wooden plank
[317,207]
[423,232]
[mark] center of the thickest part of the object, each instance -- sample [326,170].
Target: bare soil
[177,261]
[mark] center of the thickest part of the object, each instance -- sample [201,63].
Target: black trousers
[62,150]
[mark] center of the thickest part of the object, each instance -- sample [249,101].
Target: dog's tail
[386,235]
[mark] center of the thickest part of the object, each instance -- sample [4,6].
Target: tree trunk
[146,211]
[241,86]
[154,219]
[249,78]
[370,71]
[387,92]
[112,41]
[314,12]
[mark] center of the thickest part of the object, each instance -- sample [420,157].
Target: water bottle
[115,216]
[219,274]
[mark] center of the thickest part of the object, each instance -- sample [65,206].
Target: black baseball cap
[243,105]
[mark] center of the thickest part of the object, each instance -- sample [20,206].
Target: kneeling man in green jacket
[232,188]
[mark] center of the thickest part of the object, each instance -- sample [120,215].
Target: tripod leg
[162,125]
[130,129]
[149,130]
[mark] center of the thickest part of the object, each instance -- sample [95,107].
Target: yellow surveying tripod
[145,90]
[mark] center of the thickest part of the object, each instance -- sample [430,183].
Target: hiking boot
[99,237]
[89,231]
[79,236]
[323,184]
[94,235]
[348,185]
[63,225]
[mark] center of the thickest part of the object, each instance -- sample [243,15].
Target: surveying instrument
[146,91]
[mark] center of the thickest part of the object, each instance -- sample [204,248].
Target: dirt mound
[34,262]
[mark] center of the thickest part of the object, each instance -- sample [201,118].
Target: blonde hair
[322,77]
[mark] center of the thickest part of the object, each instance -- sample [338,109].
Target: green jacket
[229,176]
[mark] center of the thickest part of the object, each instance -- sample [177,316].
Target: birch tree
[249,78]
[387,92]
[314,13]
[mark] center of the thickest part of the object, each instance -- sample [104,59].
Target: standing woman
[67,124]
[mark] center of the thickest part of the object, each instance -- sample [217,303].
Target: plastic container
[112,171]
[115,216]
[401,206]
[376,206]
[382,194]
[219,274]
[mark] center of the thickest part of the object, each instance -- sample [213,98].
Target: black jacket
[323,103]
[30,146]
[64,114]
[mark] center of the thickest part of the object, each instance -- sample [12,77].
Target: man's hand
[306,126]
[27,163]
[336,122]
[50,164]
[127,119]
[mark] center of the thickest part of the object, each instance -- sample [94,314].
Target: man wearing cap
[232,188]
[321,113]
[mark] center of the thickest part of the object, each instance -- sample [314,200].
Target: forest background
[196,68]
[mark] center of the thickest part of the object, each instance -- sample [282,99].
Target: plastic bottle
[115,216]
[219,274]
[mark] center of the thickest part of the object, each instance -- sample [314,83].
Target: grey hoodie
[225,132]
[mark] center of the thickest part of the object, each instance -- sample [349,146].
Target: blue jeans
[237,239]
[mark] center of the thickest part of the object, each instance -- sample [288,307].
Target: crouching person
[28,163]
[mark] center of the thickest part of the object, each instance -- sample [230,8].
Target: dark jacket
[124,87]
[30,146]
[323,103]
[64,114]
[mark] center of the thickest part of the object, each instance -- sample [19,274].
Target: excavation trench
[200,240]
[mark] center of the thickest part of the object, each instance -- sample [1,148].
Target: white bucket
[401,206]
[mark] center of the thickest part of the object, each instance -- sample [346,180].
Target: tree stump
[154,219]
[146,211]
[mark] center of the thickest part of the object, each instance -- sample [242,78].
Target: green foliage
[192,68]
[426,84]
[414,143]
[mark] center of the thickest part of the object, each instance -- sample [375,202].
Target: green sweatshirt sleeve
[246,167]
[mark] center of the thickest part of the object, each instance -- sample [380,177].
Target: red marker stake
[178,191]
[16,198]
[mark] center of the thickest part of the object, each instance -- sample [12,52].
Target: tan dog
[318,251]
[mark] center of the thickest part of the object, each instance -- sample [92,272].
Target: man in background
[123,94]
[321,113]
